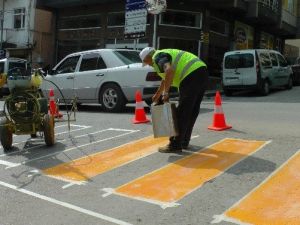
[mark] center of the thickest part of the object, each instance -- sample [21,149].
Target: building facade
[27,32]
[224,24]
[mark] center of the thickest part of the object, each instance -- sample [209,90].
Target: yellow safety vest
[183,64]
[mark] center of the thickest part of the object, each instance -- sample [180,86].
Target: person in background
[186,72]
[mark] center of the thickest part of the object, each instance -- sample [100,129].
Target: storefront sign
[243,36]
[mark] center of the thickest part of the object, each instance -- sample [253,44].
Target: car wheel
[289,85]
[265,88]
[112,98]
[227,92]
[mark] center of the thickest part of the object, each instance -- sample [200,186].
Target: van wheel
[265,88]
[289,85]
[227,92]
[111,98]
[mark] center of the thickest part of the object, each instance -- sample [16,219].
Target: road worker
[185,71]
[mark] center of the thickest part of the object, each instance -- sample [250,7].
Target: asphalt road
[96,185]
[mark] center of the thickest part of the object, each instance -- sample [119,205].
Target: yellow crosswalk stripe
[275,201]
[176,180]
[90,166]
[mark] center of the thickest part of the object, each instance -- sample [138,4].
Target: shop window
[116,19]
[218,26]
[186,45]
[77,22]
[19,18]
[179,18]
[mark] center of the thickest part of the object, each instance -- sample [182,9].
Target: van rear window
[239,61]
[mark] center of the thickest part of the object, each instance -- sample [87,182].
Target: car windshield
[239,61]
[128,57]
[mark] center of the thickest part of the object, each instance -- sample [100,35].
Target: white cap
[146,51]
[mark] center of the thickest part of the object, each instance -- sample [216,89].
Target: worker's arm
[168,81]
[158,93]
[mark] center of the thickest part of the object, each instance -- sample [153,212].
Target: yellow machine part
[36,80]
[3,77]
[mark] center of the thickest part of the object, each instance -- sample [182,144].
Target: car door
[283,74]
[266,66]
[63,76]
[91,72]
[275,69]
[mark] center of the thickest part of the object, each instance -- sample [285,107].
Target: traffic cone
[53,108]
[219,123]
[140,115]
[52,104]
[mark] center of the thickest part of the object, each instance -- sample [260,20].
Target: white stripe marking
[8,164]
[70,149]
[65,204]
[163,205]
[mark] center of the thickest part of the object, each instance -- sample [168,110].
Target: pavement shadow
[247,164]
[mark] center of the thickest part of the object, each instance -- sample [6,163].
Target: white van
[255,69]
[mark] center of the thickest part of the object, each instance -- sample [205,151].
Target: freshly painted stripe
[176,180]
[64,204]
[90,166]
[275,201]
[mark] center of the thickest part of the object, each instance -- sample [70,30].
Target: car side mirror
[52,72]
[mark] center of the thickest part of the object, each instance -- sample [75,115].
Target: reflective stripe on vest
[177,59]
[187,67]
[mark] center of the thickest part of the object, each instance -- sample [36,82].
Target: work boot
[170,148]
[185,145]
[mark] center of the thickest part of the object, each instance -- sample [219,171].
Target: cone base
[219,128]
[140,121]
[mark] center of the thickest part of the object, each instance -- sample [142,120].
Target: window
[239,61]
[282,61]
[128,57]
[2,67]
[265,60]
[68,65]
[116,19]
[17,69]
[274,59]
[218,26]
[92,62]
[19,18]
[79,22]
[179,18]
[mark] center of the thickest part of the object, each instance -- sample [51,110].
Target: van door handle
[70,78]
[100,75]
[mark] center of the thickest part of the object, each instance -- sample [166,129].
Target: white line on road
[70,149]
[65,204]
[8,164]
[82,128]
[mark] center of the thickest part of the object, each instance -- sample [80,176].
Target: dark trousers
[191,92]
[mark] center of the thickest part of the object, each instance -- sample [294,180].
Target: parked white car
[110,77]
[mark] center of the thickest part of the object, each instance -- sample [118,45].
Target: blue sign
[135,19]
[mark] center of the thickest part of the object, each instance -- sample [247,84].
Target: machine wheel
[49,130]
[6,136]
[111,98]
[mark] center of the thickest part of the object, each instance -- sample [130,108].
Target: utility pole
[2,23]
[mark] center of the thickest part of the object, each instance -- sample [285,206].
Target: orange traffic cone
[140,115]
[219,123]
[53,108]
[52,104]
